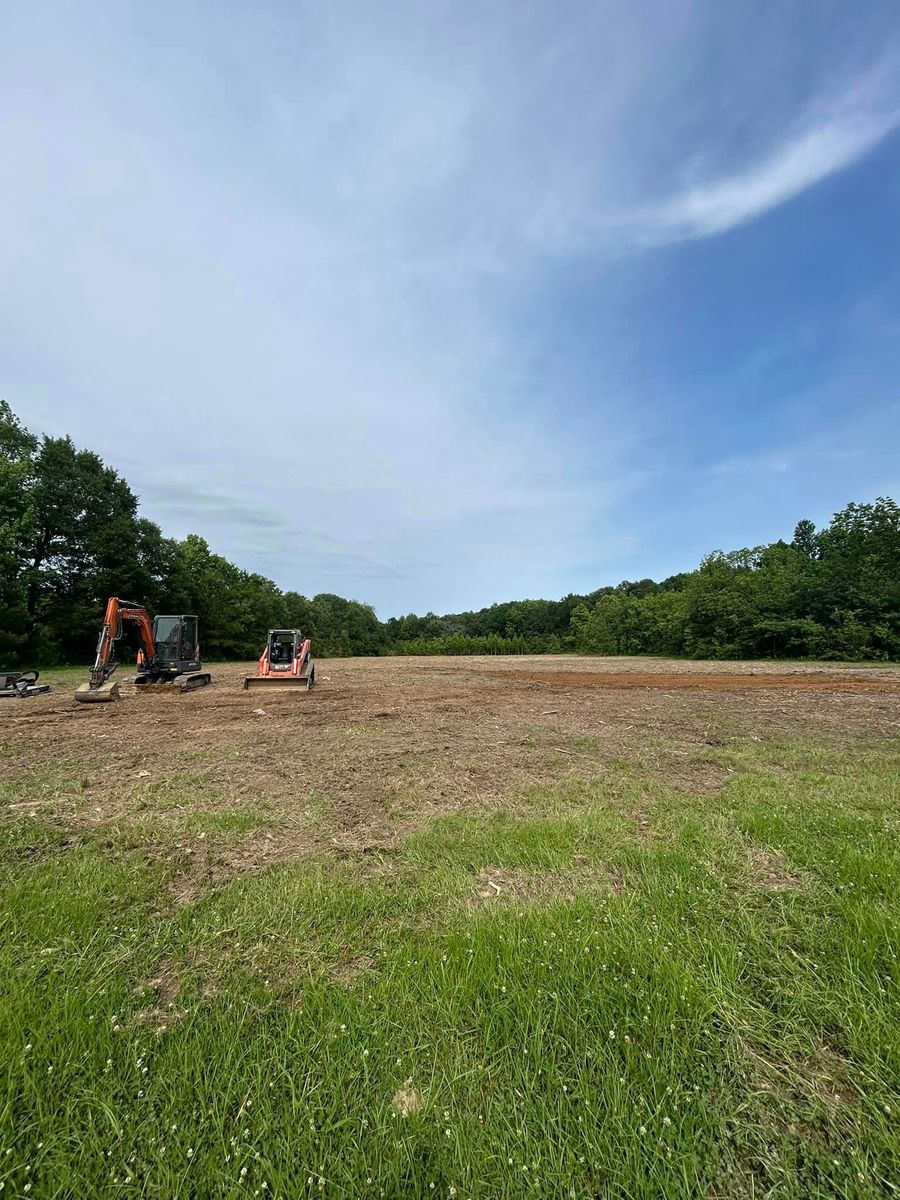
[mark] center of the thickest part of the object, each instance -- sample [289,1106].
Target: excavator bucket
[97,695]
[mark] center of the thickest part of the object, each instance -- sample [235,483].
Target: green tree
[17,453]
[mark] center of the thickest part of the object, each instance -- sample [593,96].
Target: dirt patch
[407,1101]
[380,746]
[822,1074]
[346,973]
[164,988]
[768,870]
[682,681]
[512,885]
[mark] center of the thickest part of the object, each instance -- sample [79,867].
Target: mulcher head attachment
[17,685]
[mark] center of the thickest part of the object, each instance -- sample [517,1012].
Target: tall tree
[17,452]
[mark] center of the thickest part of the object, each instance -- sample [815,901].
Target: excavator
[286,662]
[168,654]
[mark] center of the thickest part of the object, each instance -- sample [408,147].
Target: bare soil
[379,745]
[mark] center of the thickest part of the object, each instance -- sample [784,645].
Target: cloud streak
[809,156]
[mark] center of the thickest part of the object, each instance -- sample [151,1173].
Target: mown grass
[717,1016]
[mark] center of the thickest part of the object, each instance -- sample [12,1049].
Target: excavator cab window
[188,637]
[166,635]
[175,638]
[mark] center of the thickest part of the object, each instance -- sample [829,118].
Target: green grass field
[547,999]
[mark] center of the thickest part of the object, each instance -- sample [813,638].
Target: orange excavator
[168,653]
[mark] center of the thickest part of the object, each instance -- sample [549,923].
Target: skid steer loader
[285,663]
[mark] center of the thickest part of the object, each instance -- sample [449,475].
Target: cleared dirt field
[381,745]
[483,928]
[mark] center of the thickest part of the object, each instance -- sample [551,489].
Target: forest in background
[71,535]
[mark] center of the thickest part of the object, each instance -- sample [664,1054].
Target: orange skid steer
[285,663]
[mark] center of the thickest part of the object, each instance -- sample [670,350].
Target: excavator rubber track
[188,682]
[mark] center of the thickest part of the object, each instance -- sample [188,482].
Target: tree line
[830,593]
[71,535]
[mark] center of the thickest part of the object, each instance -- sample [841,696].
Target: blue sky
[437,304]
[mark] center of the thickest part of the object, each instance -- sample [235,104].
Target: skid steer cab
[286,662]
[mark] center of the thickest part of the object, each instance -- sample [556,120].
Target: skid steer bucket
[282,682]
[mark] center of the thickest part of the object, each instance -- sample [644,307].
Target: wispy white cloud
[811,153]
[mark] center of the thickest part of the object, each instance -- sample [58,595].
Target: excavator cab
[177,657]
[176,640]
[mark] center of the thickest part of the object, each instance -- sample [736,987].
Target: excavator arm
[118,614]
